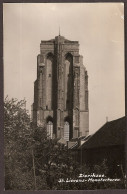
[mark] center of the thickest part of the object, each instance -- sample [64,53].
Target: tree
[33,161]
[17,155]
[52,160]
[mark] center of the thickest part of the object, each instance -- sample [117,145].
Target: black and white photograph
[64,96]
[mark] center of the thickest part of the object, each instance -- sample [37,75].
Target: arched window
[49,80]
[50,129]
[66,130]
[68,81]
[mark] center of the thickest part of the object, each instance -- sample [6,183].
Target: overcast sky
[99,28]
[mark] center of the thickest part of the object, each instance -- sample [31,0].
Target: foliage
[52,160]
[35,162]
[17,155]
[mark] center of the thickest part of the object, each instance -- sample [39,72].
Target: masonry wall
[61,88]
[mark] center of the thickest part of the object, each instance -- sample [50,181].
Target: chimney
[106,119]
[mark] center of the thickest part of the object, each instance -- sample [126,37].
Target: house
[108,143]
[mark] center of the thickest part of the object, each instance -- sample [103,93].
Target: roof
[74,146]
[111,133]
[62,141]
[78,141]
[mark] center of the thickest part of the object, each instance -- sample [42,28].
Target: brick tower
[61,90]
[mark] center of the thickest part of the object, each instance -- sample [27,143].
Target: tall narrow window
[66,131]
[49,80]
[50,129]
[68,81]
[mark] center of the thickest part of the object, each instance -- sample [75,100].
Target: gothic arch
[68,55]
[67,119]
[49,118]
[49,54]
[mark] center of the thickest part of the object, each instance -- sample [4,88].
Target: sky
[99,28]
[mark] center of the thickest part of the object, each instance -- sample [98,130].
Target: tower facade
[61,90]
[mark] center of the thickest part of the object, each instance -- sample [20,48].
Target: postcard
[64,96]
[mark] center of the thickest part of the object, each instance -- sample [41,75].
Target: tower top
[59,39]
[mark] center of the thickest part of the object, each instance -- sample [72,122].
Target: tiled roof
[62,141]
[111,133]
[74,146]
[78,141]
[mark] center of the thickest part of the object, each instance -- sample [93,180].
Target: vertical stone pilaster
[60,85]
[69,91]
[76,87]
[86,91]
[76,107]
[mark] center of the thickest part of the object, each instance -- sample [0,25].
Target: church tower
[61,90]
